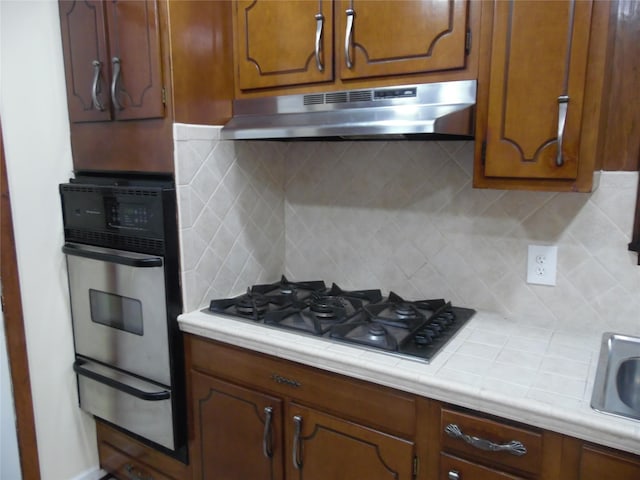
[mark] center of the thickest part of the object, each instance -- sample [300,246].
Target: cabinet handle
[319,31]
[347,37]
[563,101]
[453,475]
[115,82]
[513,447]
[297,423]
[134,474]
[95,86]
[267,436]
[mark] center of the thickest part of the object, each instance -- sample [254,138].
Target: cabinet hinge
[467,42]
[416,466]
[483,152]
[164,96]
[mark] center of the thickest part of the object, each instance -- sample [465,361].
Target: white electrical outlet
[542,262]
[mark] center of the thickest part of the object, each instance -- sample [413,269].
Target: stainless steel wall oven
[122,258]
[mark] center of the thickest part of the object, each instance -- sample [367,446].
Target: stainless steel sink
[617,385]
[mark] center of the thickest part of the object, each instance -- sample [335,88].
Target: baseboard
[95,473]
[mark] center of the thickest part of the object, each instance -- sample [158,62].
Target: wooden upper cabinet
[538,68]
[283,43]
[86,59]
[377,38]
[112,59]
[297,42]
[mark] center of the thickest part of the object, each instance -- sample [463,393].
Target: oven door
[118,308]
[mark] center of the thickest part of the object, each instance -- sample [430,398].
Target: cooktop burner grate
[413,329]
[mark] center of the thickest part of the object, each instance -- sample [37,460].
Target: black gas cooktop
[415,329]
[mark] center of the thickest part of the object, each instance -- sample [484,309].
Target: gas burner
[252,304]
[406,310]
[249,305]
[365,332]
[327,306]
[316,315]
[297,290]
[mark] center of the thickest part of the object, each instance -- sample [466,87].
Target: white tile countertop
[538,375]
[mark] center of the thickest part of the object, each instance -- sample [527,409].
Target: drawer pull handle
[297,422]
[285,381]
[453,475]
[513,447]
[267,436]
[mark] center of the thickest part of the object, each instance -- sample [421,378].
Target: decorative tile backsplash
[231,213]
[400,216]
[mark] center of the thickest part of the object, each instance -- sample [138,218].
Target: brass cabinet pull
[115,61]
[267,435]
[348,36]
[319,31]
[297,422]
[513,447]
[563,103]
[95,86]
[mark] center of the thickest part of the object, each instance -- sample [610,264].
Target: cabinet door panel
[86,60]
[276,42]
[539,53]
[233,438]
[331,448]
[408,36]
[134,40]
[603,465]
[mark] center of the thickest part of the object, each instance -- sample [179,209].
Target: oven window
[116,311]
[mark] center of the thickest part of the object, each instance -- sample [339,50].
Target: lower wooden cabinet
[238,431]
[602,464]
[253,416]
[127,459]
[260,418]
[324,447]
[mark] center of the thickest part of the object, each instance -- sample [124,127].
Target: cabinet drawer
[118,463]
[480,431]
[453,468]
[117,449]
[376,406]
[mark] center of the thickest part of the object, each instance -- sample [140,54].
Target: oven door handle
[120,381]
[106,256]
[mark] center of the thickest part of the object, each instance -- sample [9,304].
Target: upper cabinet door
[537,80]
[283,42]
[136,88]
[86,60]
[378,38]
[112,59]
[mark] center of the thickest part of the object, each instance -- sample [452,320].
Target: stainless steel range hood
[435,108]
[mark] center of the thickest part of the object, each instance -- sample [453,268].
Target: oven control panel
[117,216]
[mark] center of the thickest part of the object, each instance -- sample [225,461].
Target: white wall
[36,139]
[9,460]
